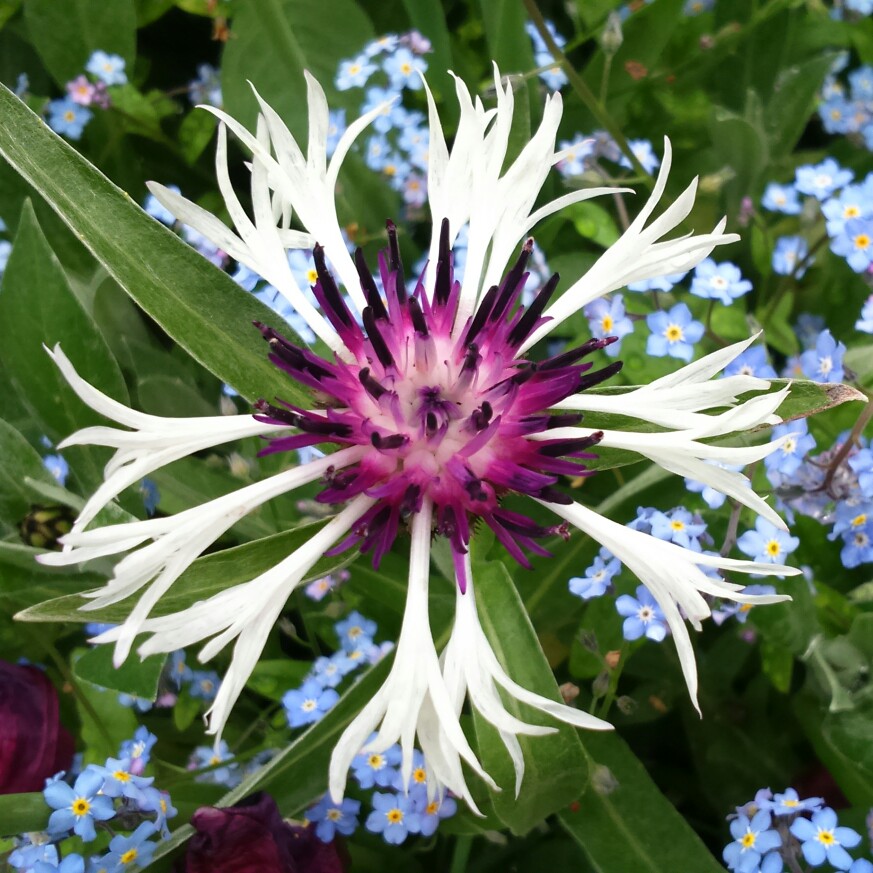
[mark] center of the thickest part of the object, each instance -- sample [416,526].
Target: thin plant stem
[587,96]
[846,447]
[461,853]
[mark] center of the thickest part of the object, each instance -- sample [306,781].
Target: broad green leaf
[623,822]
[37,307]
[18,461]
[197,304]
[555,766]
[843,742]
[593,221]
[740,145]
[135,677]
[206,576]
[195,133]
[22,813]
[105,722]
[810,398]
[508,44]
[298,774]
[273,41]
[272,678]
[65,34]
[793,99]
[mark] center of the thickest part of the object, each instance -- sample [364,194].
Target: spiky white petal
[472,671]
[637,254]
[176,542]
[679,399]
[155,442]
[673,576]
[414,686]
[246,612]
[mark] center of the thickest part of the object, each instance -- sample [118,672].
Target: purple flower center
[447,409]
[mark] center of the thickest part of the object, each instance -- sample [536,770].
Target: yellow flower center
[860,519]
[311,276]
[773,548]
[354,69]
[419,775]
[334,814]
[674,333]
[406,69]
[376,761]
[851,212]
[129,856]
[214,760]
[791,803]
[826,838]
[748,840]
[394,816]
[606,322]
[355,632]
[677,525]
[81,806]
[121,776]
[432,808]
[862,241]
[69,115]
[308,705]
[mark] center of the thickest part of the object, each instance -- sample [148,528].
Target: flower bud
[33,743]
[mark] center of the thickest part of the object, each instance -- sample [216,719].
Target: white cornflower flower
[434,413]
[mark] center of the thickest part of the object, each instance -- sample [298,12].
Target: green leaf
[206,576]
[555,765]
[54,315]
[794,97]
[22,813]
[195,133]
[18,462]
[508,44]
[273,41]
[105,722]
[843,742]
[272,678]
[197,304]
[623,822]
[810,398]
[298,774]
[134,677]
[65,34]
[594,222]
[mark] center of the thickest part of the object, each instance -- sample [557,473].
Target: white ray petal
[671,573]
[415,677]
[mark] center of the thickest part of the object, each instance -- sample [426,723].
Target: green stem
[587,96]
[461,854]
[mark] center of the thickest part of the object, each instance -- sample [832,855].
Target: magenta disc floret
[448,410]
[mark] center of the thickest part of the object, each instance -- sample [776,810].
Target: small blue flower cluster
[401,810]
[551,74]
[775,829]
[847,210]
[206,87]
[116,791]
[320,588]
[69,115]
[317,695]
[583,152]
[847,107]
[398,148]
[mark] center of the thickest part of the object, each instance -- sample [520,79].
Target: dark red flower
[33,743]
[253,838]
